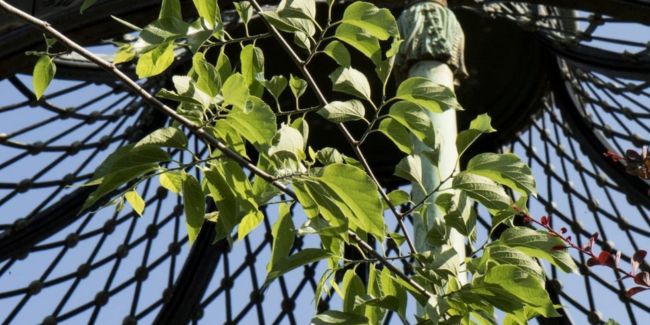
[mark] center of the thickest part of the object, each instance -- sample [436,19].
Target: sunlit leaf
[337,51]
[136,202]
[422,91]
[505,169]
[378,22]
[44,71]
[193,206]
[351,81]
[397,133]
[339,112]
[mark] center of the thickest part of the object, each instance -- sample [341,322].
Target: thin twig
[387,264]
[299,111]
[323,102]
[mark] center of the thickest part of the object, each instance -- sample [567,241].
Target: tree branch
[151,100]
[194,128]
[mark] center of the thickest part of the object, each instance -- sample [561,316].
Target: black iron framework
[103,267]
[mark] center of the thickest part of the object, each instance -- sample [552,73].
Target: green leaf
[424,92]
[127,24]
[245,10]
[301,258]
[225,133]
[359,193]
[298,86]
[506,216]
[397,133]
[375,314]
[116,179]
[166,137]
[86,5]
[276,86]
[438,235]
[249,222]
[257,126]
[446,262]
[480,125]
[419,297]
[505,169]
[337,51]
[193,206]
[432,309]
[170,8]
[351,81]
[611,322]
[235,91]
[44,71]
[328,156]
[155,62]
[330,317]
[352,287]
[484,190]
[136,202]
[263,191]
[124,54]
[252,64]
[158,32]
[226,202]
[308,203]
[387,302]
[305,9]
[433,156]
[301,125]
[378,22]
[172,181]
[339,112]
[391,288]
[319,197]
[522,285]
[510,256]
[209,10]
[208,80]
[197,33]
[361,40]
[414,118]
[287,142]
[459,212]
[223,65]
[301,39]
[410,168]
[397,197]
[538,244]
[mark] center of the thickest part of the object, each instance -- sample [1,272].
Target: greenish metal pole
[433,49]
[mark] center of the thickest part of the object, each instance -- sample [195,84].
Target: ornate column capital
[430,32]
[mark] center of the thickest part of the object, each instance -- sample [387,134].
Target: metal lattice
[105,268]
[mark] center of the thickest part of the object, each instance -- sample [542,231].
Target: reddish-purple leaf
[639,256]
[568,239]
[563,230]
[558,247]
[634,291]
[605,258]
[643,278]
[637,259]
[595,236]
[592,261]
[545,221]
[618,257]
[623,278]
